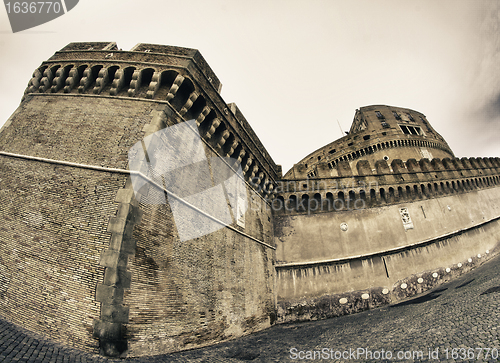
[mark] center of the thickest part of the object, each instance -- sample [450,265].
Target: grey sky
[296,67]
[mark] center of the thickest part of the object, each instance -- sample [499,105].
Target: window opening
[405,129]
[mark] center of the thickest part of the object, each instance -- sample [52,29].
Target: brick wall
[89,130]
[62,273]
[201,291]
[53,229]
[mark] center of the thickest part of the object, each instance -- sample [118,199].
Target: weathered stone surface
[105,268]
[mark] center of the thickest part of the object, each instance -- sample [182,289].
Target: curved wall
[85,263]
[359,239]
[53,230]
[206,290]
[377,132]
[328,289]
[318,238]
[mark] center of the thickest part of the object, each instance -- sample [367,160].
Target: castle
[381,214]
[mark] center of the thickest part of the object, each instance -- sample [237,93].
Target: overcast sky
[296,67]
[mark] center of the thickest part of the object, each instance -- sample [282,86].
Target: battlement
[93,68]
[176,76]
[154,54]
[371,185]
[77,46]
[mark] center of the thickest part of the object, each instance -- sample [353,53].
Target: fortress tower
[378,133]
[89,259]
[84,259]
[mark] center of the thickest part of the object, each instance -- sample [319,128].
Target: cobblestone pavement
[458,315]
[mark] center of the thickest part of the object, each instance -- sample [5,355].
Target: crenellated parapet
[383,183]
[179,77]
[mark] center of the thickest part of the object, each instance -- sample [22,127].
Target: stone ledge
[110,329]
[114,314]
[126,245]
[113,259]
[117,277]
[109,294]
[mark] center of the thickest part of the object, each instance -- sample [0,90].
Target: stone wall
[86,130]
[83,261]
[382,183]
[193,293]
[323,258]
[54,222]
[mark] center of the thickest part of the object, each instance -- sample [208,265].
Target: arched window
[182,95]
[339,203]
[305,203]
[146,77]
[108,80]
[400,193]
[48,77]
[166,80]
[60,78]
[127,78]
[373,196]
[391,195]
[206,126]
[73,81]
[315,203]
[328,202]
[196,109]
[407,192]
[89,78]
[382,194]
[292,202]
[352,196]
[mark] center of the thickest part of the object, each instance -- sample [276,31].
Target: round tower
[378,132]
[91,261]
